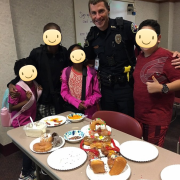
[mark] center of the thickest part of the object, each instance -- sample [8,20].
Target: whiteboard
[83,21]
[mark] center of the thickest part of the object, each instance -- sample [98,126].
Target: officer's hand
[176,62]
[13,91]
[154,87]
[28,95]
[82,106]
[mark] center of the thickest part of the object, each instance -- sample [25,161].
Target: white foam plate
[66,158]
[139,151]
[171,172]
[50,123]
[37,140]
[85,129]
[106,176]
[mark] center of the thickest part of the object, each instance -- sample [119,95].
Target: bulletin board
[83,21]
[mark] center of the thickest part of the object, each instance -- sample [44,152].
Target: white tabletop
[139,170]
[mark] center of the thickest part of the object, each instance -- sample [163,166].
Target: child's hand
[154,87]
[39,87]
[28,95]
[82,106]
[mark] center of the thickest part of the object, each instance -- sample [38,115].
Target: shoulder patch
[134,28]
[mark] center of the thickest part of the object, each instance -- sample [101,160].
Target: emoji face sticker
[77,56]
[146,38]
[52,37]
[28,73]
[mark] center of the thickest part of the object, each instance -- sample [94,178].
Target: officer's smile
[146,43]
[52,42]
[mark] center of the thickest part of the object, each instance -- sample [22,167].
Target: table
[139,171]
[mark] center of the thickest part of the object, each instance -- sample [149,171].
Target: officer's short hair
[94,2]
[152,23]
[51,25]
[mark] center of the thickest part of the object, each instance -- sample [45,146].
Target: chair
[121,122]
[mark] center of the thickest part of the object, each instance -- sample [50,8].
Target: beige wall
[7,55]
[22,22]
[176,27]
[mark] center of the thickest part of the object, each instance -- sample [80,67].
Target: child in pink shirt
[71,87]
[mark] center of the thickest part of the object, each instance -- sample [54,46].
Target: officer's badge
[118,38]
[134,28]
[86,43]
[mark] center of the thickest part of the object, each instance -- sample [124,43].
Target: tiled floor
[10,166]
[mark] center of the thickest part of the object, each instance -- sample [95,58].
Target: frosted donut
[95,122]
[46,138]
[42,146]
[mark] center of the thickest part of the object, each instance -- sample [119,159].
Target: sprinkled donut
[97,121]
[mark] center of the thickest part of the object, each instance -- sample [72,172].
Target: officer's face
[99,15]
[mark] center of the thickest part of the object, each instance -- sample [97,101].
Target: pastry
[97,123]
[46,138]
[42,146]
[117,165]
[56,140]
[97,166]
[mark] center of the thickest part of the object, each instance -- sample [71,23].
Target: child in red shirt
[155,82]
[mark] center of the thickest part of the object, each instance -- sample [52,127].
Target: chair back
[120,121]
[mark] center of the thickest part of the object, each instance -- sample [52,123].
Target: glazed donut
[95,122]
[42,146]
[46,138]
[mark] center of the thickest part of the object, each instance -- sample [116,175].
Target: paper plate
[139,151]
[53,121]
[86,129]
[37,140]
[103,176]
[171,172]
[66,158]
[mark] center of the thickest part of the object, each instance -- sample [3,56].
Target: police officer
[111,43]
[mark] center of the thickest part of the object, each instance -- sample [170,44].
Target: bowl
[71,136]
[37,131]
[75,117]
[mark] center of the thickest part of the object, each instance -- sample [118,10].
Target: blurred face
[99,15]
[155,41]
[77,55]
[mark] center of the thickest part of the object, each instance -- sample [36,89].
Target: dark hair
[152,23]
[94,2]
[50,25]
[20,63]
[70,63]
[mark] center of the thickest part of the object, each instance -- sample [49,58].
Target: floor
[10,166]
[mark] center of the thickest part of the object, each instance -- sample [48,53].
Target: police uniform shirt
[109,46]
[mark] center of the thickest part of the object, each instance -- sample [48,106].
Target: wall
[7,55]
[176,28]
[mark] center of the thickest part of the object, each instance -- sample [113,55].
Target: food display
[37,130]
[101,146]
[47,142]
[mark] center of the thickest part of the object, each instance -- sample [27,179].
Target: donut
[95,122]
[42,146]
[46,138]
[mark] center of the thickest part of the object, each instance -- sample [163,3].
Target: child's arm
[155,87]
[18,106]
